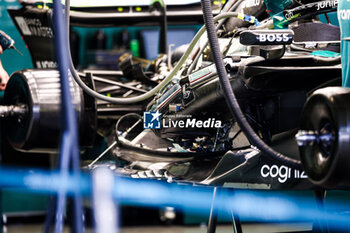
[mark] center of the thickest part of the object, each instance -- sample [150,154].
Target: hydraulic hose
[233,7]
[230,96]
[155,90]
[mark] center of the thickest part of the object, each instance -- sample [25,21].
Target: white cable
[151,93]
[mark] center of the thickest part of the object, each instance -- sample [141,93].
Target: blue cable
[69,141]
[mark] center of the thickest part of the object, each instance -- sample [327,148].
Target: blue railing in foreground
[249,204]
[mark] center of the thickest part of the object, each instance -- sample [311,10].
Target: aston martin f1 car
[169,117]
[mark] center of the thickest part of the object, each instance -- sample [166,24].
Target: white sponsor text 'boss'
[277,37]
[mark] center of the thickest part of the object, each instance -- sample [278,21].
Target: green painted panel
[20,201]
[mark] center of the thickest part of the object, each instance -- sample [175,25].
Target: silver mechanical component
[309,138]
[36,127]
[12,110]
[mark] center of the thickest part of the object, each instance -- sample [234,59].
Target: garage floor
[247,228]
